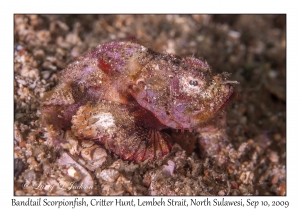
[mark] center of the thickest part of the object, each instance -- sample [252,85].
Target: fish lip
[231,82]
[225,99]
[228,98]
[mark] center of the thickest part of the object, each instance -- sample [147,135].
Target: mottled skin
[123,95]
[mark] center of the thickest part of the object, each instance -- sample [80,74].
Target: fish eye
[193,82]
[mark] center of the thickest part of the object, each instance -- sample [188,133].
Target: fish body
[124,95]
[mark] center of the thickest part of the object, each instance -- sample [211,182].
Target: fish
[124,96]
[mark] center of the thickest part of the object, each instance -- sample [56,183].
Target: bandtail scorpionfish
[124,95]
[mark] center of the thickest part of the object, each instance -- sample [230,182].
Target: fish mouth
[229,95]
[222,94]
[228,98]
[213,106]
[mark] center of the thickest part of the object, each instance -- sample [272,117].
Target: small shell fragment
[109,175]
